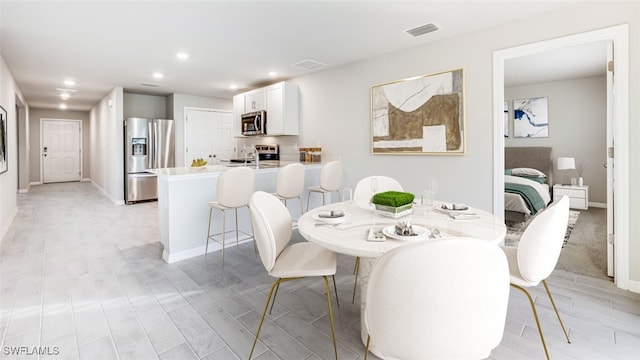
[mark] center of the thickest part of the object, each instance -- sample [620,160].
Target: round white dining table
[348,235]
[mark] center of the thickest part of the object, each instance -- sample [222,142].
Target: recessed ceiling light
[182,55]
[69,82]
[233,86]
[273,73]
[158,75]
[64,96]
[63,106]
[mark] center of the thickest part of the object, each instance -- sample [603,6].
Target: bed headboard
[536,157]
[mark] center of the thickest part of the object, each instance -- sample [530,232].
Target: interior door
[61,150]
[610,164]
[209,135]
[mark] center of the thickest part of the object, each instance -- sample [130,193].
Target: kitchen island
[183,194]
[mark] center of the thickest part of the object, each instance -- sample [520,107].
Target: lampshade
[566,163]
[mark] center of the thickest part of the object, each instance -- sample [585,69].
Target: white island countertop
[183,196]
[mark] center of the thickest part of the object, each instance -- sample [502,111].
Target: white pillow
[527,172]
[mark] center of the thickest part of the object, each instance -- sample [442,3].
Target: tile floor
[81,278]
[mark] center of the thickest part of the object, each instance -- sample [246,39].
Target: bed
[526,192]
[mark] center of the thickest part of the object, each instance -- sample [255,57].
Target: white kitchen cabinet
[254,100]
[282,109]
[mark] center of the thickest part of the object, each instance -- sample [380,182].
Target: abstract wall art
[530,118]
[3,140]
[420,115]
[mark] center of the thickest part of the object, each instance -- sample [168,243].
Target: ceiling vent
[150,84]
[309,64]
[421,30]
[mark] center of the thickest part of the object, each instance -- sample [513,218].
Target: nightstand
[578,195]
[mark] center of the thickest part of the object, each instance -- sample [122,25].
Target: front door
[61,150]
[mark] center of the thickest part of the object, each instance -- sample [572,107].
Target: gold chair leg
[544,282]
[206,246]
[355,280]
[274,298]
[264,312]
[336,290]
[333,329]
[535,315]
[366,349]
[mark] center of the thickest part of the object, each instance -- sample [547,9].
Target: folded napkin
[375,235]
[459,207]
[467,216]
[332,214]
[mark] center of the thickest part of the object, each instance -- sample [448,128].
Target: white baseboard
[197,251]
[35,183]
[23,191]
[597,205]
[86,179]
[5,229]
[105,193]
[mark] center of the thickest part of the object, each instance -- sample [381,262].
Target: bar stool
[330,180]
[235,187]
[290,183]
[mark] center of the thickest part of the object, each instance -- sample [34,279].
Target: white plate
[449,211]
[421,232]
[327,220]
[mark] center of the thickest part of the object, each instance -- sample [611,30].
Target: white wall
[335,106]
[175,110]
[9,180]
[106,150]
[577,127]
[35,138]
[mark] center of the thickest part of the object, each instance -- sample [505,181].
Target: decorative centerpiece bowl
[393,204]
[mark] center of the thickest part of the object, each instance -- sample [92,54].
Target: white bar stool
[330,180]
[290,183]
[235,187]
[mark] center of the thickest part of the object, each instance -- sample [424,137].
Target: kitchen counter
[183,194]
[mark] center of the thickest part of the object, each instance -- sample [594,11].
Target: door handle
[605,165]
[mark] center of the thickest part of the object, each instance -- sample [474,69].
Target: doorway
[619,123]
[61,151]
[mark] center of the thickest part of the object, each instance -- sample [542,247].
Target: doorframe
[619,35]
[42,140]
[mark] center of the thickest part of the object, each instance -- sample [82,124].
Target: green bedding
[530,196]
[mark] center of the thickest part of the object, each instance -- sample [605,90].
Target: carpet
[515,230]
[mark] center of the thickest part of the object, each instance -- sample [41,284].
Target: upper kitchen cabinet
[282,109]
[254,100]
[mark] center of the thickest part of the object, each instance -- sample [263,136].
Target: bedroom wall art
[420,115]
[530,118]
[3,140]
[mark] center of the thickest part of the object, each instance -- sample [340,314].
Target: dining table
[353,228]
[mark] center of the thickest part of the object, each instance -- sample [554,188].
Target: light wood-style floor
[84,278]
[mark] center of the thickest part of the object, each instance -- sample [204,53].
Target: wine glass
[373,185]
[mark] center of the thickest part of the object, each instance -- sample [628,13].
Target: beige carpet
[585,250]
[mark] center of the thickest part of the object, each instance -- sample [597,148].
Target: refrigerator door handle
[152,144]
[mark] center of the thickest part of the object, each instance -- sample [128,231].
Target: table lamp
[566,163]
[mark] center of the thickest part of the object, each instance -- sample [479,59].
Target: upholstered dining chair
[537,255]
[290,183]
[272,231]
[330,180]
[234,188]
[437,299]
[363,194]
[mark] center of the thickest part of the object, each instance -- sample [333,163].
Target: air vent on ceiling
[150,84]
[421,30]
[309,64]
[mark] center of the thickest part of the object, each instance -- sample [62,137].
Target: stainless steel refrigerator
[148,144]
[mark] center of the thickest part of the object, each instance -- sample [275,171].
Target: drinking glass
[347,195]
[373,185]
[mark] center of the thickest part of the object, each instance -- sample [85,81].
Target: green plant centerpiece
[393,203]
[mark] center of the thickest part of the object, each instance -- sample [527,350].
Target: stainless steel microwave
[254,123]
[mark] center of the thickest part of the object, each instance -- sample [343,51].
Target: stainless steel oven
[254,123]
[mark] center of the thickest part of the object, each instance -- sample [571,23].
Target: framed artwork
[3,140]
[419,115]
[530,118]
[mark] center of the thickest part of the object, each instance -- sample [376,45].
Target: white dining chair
[437,299]
[537,255]
[272,230]
[290,183]
[234,189]
[363,194]
[330,181]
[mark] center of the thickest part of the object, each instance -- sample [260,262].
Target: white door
[610,165]
[61,150]
[208,136]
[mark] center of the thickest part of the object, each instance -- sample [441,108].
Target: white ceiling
[105,44]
